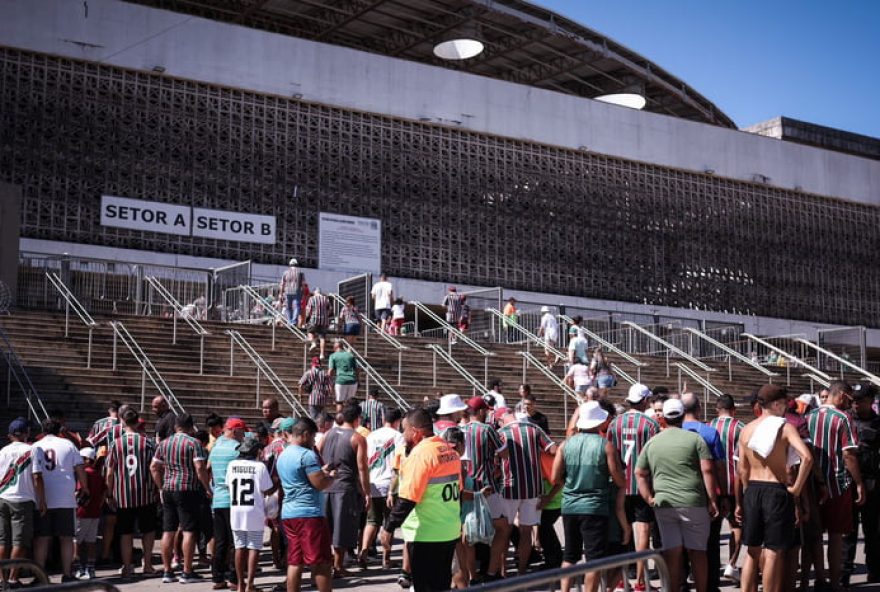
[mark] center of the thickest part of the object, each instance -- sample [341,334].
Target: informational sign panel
[349,243]
[154,216]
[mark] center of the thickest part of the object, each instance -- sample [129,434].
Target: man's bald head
[159,405]
[691,403]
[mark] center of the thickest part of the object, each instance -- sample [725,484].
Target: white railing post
[667,363]
[679,380]
[114,347]
[485,371]
[524,369]
[399,366]
[201,354]
[274,325]
[143,387]
[434,371]
[258,388]
[729,368]
[367,340]
[417,322]
[66,316]
[231,354]
[174,330]
[89,354]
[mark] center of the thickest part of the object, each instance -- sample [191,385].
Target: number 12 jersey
[247,480]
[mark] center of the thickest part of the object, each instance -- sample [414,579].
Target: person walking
[549,332]
[350,318]
[382,294]
[381,446]
[290,290]
[452,303]
[318,320]
[343,369]
[225,451]
[729,429]
[373,411]
[600,370]
[319,385]
[510,319]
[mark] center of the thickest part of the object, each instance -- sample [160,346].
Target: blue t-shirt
[224,452]
[301,499]
[710,437]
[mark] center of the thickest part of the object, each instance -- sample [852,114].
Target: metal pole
[435,367]
[89,354]
[8,378]
[524,370]
[66,316]
[174,331]
[788,374]
[274,325]
[114,347]
[258,387]
[485,370]
[202,354]
[143,386]
[399,366]
[667,363]
[729,368]
[231,354]
[679,380]
[367,341]
[417,321]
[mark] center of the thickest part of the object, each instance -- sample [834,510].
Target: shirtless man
[770,509]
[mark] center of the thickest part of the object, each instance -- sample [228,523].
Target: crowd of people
[329,489]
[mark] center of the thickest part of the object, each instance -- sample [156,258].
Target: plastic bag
[478,522]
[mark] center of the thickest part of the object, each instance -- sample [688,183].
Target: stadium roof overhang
[524,43]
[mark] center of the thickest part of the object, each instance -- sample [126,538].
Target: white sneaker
[731,573]
[81,574]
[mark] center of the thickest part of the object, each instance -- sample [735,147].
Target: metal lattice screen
[456,206]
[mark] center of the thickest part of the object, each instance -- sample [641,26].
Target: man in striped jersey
[836,447]
[104,424]
[373,411]
[179,469]
[629,432]
[130,490]
[318,315]
[452,303]
[729,429]
[318,384]
[521,489]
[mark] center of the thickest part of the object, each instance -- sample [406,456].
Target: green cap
[286,424]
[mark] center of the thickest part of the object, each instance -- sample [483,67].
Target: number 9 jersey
[431,477]
[129,459]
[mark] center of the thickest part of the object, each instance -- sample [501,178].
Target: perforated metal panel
[456,206]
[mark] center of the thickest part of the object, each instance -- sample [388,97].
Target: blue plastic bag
[478,522]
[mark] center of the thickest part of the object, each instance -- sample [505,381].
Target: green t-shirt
[344,367]
[673,456]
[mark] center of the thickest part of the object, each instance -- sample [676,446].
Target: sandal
[341,573]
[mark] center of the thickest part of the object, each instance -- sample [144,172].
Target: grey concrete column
[10,225]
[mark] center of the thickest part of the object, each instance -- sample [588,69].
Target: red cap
[477,403]
[235,423]
[316,361]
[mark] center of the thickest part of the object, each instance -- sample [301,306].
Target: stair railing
[450,328]
[197,327]
[816,379]
[369,324]
[373,374]
[71,302]
[842,361]
[530,337]
[148,369]
[787,356]
[263,369]
[708,387]
[17,372]
[276,316]
[439,351]
[669,348]
[732,353]
[618,371]
[610,347]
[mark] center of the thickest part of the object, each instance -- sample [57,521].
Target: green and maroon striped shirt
[832,433]
[729,430]
[129,461]
[521,469]
[104,432]
[629,432]
[178,453]
[481,444]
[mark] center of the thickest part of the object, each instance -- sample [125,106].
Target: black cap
[864,391]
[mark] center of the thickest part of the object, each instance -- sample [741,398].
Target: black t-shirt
[165,425]
[541,421]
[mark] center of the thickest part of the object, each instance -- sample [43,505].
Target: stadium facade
[483,178]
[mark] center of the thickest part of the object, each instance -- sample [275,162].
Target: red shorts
[837,513]
[308,541]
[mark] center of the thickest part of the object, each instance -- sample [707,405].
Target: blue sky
[815,60]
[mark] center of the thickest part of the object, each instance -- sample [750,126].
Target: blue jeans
[351,329]
[605,381]
[293,301]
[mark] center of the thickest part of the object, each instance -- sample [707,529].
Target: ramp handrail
[148,370]
[605,343]
[168,297]
[438,350]
[263,367]
[702,381]
[669,347]
[872,377]
[371,325]
[459,335]
[819,379]
[542,367]
[275,314]
[378,378]
[619,372]
[19,373]
[786,355]
[78,308]
[731,353]
[530,337]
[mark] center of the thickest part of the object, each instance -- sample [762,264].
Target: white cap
[638,393]
[672,408]
[591,415]
[87,453]
[451,403]
[292,262]
[545,309]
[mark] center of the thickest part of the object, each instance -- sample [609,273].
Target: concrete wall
[10,223]
[139,37]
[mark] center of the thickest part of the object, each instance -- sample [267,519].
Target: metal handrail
[148,370]
[168,297]
[459,335]
[814,378]
[371,325]
[704,382]
[731,353]
[872,377]
[669,348]
[786,355]
[78,308]
[530,337]
[619,372]
[549,579]
[609,346]
[438,350]
[263,367]
[18,372]
[276,316]
[378,378]
[542,367]
[35,570]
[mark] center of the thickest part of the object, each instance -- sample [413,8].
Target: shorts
[585,534]
[181,509]
[247,539]
[308,541]
[581,389]
[687,527]
[58,522]
[837,513]
[86,530]
[344,392]
[383,314]
[526,509]
[319,330]
[378,511]
[637,509]
[344,514]
[605,381]
[16,523]
[351,329]
[143,516]
[768,517]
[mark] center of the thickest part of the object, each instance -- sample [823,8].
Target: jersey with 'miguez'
[729,429]
[629,432]
[129,461]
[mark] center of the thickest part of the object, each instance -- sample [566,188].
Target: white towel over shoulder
[764,439]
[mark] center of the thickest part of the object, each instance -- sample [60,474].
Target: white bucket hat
[591,415]
[451,403]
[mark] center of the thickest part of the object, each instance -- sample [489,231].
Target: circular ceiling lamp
[461,44]
[631,100]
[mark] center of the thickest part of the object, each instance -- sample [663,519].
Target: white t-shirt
[580,373]
[381,292]
[60,459]
[499,399]
[578,345]
[18,463]
[381,445]
[398,311]
[550,326]
[247,481]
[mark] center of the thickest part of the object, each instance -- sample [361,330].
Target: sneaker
[190,578]
[619,586]
[313,347]
[732,573]
[80,573]
[90,571]
[404,580]
[168,577]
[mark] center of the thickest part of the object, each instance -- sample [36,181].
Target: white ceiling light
[458,49]
[631,100]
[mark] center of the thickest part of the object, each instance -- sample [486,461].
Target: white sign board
[232,226]
[138,214]
[349,243]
